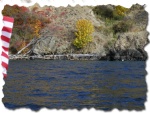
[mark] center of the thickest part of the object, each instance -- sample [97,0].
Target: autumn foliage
[27,24]
[84,33]
[120,10]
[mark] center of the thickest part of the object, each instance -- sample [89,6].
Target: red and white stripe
[5,39]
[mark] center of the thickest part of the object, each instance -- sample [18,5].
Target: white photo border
[57,3]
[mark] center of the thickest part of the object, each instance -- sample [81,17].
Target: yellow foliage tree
[36,27]
[120,10]
[83,34]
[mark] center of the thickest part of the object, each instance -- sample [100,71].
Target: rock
[123,55]
[129,46]
[50,45]
[132,40]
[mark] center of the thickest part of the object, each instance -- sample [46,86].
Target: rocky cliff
[58,35]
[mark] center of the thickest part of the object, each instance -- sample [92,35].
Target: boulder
[50,45]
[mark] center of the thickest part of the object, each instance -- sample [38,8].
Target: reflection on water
[75,84]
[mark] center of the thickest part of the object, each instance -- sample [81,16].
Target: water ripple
[75,84]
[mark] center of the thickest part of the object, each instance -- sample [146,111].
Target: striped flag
[5,39]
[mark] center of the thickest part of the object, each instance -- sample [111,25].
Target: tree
[83,34]
[27,24]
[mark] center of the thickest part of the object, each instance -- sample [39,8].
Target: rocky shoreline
[93,57]
[56,57]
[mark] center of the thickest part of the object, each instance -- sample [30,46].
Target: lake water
[60,84]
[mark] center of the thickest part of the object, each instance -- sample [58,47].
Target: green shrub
[103,11]
[116,12]
[13,50]
[121,27]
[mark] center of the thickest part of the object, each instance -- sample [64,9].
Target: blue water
[102,85]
